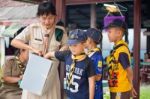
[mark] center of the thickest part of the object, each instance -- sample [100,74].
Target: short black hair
[46,8]
[118,23]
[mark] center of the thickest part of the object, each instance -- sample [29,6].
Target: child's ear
[119,33]
[122,33]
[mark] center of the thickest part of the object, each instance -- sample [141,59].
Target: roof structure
[12,3]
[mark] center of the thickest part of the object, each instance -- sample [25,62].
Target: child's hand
[134,93]
[49,55]
[46,56]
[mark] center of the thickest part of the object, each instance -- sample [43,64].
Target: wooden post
[60,10]
[93,16]
[136,53]
[148,46]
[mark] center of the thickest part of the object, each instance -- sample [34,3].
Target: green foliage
[145,92]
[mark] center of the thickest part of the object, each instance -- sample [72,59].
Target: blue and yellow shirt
[97,59]
[118,61]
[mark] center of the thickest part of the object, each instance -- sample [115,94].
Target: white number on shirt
[75,84]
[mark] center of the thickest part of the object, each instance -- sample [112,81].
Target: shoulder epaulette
[34,25]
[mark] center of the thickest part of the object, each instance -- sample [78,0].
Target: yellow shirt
[118,81]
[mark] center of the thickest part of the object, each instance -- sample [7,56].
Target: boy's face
[77,49]
[47,20]
[88,42]
[114,34]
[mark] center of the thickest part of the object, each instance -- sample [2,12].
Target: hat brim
[73,42]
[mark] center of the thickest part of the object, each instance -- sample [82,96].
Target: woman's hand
[38,52]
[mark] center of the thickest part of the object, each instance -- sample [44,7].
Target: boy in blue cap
[120,73]
[94,38]
[80,73]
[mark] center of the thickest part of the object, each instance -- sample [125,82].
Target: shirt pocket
[37,43]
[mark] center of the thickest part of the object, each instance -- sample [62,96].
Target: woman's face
[47,20]
[77,49]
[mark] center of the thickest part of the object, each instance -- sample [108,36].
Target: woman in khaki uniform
[12,74]
[43,37]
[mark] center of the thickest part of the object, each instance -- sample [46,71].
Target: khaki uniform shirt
[34,35]
[10,68]
[10,90]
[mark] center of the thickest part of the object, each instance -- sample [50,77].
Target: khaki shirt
[10,90]
[33,35]
[11,69]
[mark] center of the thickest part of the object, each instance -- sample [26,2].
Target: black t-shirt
[79,89]
[124,60]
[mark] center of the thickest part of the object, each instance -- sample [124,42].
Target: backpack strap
[58,34]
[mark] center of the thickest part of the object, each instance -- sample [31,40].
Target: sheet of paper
[36,74]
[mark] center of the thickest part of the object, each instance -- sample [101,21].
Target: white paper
[36,73]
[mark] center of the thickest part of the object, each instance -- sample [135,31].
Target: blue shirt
[97,59]
[79,89]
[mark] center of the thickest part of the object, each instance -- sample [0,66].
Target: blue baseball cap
[94,34]
[76,36]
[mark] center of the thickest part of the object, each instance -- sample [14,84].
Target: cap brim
[73,42]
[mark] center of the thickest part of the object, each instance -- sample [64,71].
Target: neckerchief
[118,44]
[20,65]
[47,37]
[92,51]
[72,69]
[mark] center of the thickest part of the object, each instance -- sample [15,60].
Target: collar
[78,57]
[47,31]
[120,42]
[92,51]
